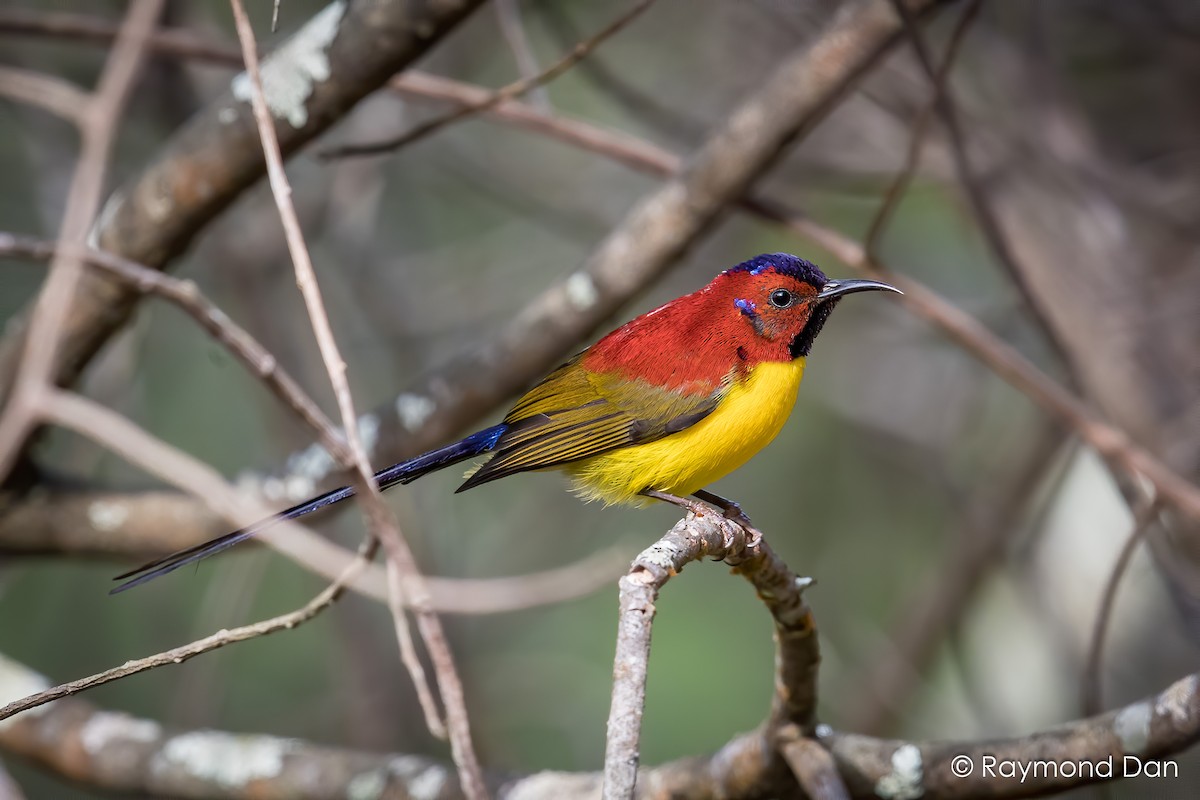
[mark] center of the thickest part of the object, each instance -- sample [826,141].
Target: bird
[658,409]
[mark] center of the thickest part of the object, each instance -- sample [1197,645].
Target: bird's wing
[574,414]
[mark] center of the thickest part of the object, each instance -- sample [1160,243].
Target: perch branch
[692,539]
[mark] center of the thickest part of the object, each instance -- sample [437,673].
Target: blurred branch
[216,155]
[629,150]
[920,126]
[693,539]
[674,117]
[508,15]
[406,581]
[47,92]
[989,224]
[177,42]
[512,90]
[33,358]
[1091,694]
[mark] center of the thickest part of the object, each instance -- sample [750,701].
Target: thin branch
[920,127]
[1143,523]
[176,42]
[621,147]
[408,652]
[47,92]
[989,224]
[508,14]
[512,90]
[97,127]
[381,525]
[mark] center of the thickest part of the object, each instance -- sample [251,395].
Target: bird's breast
[751,414]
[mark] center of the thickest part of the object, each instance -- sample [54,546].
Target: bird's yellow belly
[747,419]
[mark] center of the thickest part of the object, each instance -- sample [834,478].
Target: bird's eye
[782,298]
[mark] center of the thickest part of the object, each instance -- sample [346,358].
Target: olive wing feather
[575,413]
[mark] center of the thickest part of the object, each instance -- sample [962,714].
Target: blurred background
[960,540]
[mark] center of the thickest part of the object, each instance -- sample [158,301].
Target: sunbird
[658,409]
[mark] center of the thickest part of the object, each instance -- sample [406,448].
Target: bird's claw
[754,536]
[734,513]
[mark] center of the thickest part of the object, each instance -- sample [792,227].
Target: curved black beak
[833,289]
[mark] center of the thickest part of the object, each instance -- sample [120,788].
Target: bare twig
[515,89]
[622,147]
[381,525]
[920,127]
[97,126]
[408,652]
[44,91]
[1091,695]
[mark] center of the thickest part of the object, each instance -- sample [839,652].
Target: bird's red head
[769,308]
[773,304]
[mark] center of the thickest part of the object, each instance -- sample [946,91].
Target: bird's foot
[733,512]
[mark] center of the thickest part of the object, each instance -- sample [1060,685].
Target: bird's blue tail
[404,472]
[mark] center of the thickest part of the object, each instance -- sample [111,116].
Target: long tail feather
[404,472]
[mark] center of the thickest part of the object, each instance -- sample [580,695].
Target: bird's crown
[784,264]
